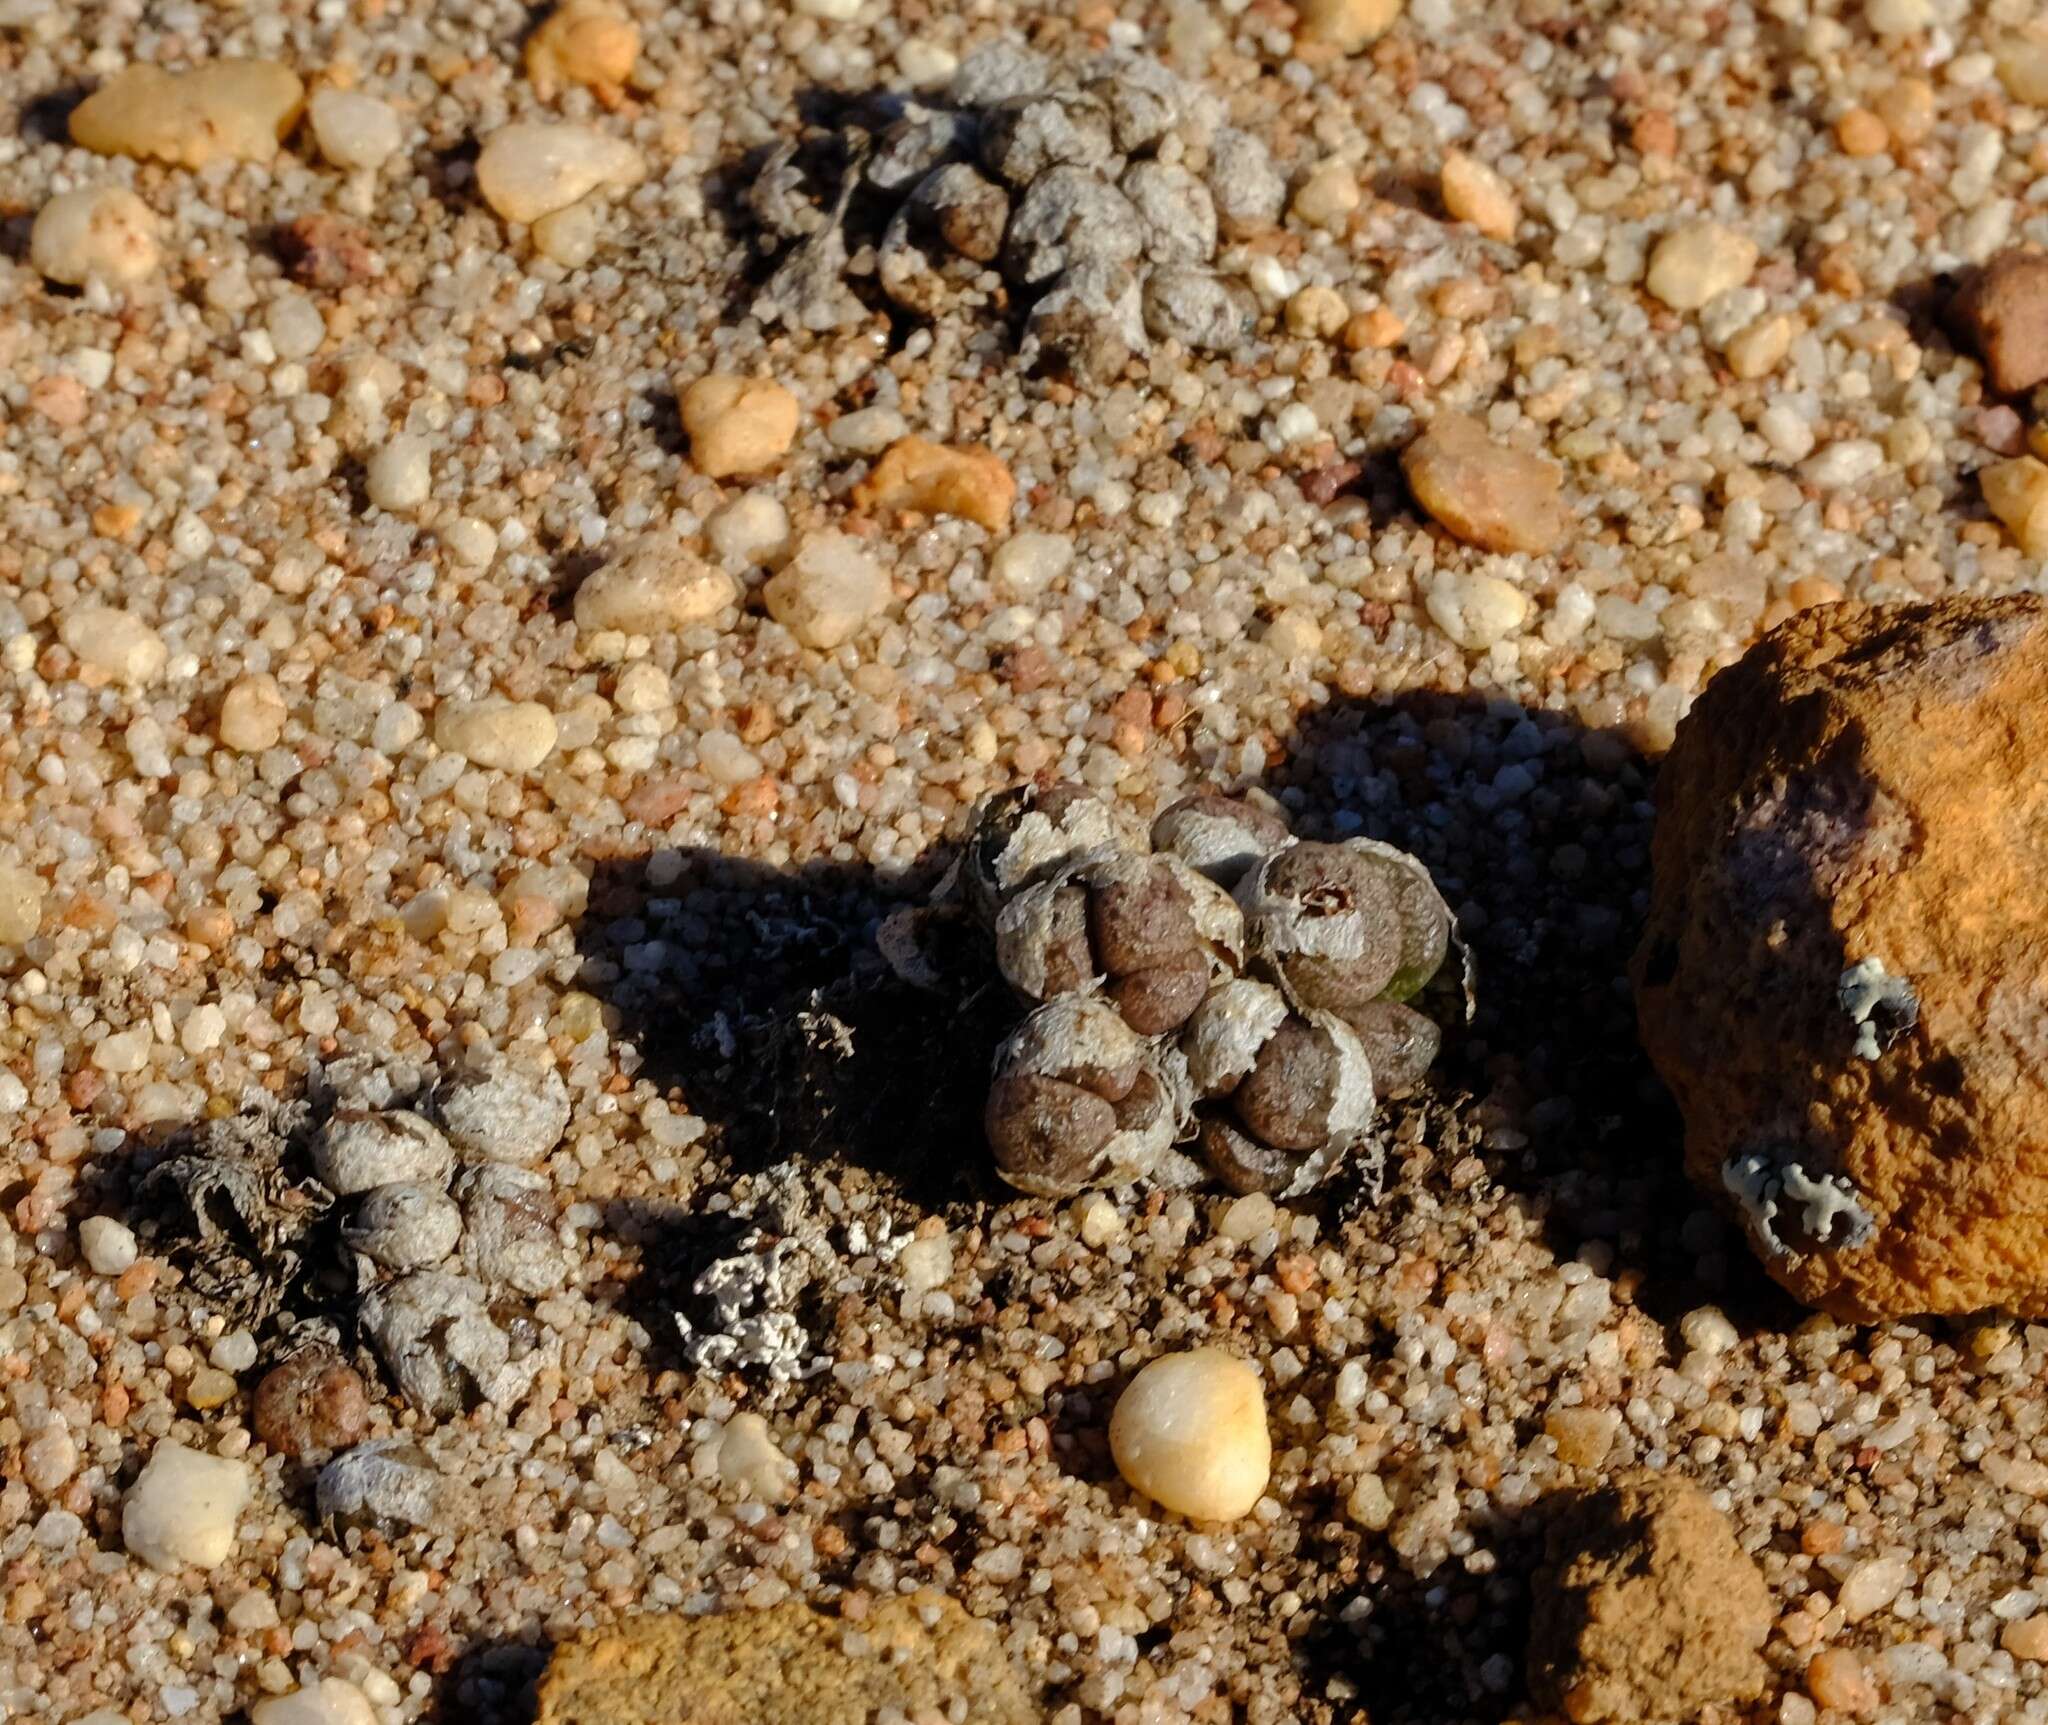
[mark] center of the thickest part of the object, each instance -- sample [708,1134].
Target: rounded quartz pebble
[108,1245]
[183,1506]
[829,590]
[655,588]
[532,168]
[400,476]
[219,110]
[504,1112]
[738,424]
[311,1403]
[388,1482]
[114,641]
[1190,1433]
[101,233]
[330,1701]
[353,130]
[360,1149]
[509,736]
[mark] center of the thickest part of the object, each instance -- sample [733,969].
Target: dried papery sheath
[1400,1044]
[1028,833]
[502,1111]
[1080,1099]
[1218,836]
[358,1150]
[509,1233]
[1289,1093]
[388,1482]
[1343,925]
[1147,932]
[435,1335]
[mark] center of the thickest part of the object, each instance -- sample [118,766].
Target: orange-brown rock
[787,1663]
[2003,310]
[940,479]
[1844,979]
[1488,494]
[1646,1608]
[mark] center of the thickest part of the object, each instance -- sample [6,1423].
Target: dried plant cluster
[1216,998]
[420,1228]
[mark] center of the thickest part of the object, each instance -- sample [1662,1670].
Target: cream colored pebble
[655,588]
[2016,492]
[511,736]
[532,168]
[588,42]
[99,233]
[829,590]
[21,904]
[329,1701]
[115,642]
[353,129]
[252,714]
[1190,1433]
[1693,264]
[183,1507]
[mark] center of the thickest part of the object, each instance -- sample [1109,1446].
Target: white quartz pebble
[1190,1433]
[183,1506]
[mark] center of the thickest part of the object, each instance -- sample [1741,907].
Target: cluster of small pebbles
[1099,195]
[1215,982]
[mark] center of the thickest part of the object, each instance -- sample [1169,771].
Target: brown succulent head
[1287,1093]
[1079,1099]
[1149,932]
[1343,925]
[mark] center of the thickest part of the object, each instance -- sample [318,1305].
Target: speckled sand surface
[187,929]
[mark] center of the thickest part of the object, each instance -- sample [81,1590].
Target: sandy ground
[215,927]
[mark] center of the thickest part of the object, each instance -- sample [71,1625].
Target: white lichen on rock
[1883,1007]
[1761,1182]
[754,1289]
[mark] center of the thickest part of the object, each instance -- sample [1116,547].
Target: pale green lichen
[1831,1213]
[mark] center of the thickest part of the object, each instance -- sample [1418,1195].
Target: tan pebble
[655,588]
[2016,492]
[588,42]
[1759,348]
[1907,110]
[1346,25]
[1327,198]
[1583,1435]
[940,479]
[210,1388]
[511,736]
[1836,1678]
[252,714]
[750,1461]
[21,904]
[115,642]
[327,1701]
[1317,312]
[571,236]
[1697,262]
[1861,133]
[532,168]
[1369,1504]
[352,129]
[738,424]
[2027,1639]
[828,590]
[2023,69]
[1474,193]
[1190,1433]
[1485,493]
[221,110]
[101,233]
[1476,609]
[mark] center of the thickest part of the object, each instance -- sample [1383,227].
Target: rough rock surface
[1646,1608]
[787,1663]
[1844,975]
